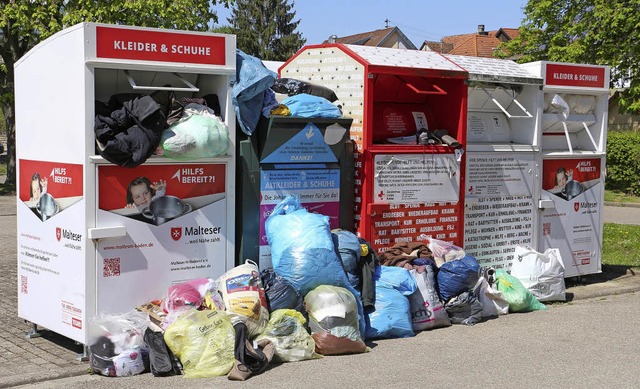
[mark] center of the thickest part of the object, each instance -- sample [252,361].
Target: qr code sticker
[546,229]
[111,267]
[24,284]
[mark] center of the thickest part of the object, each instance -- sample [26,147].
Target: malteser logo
[176,233]
[62,233]
[576,206]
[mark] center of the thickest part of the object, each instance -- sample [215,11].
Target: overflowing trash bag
[444,251]
[252,80]
[291,86]
[185,296]
[309,106]
[494,303]
[116,344]
[348,249]
[464,308]
[198,134]
[244,297]
[204,342]
[280,293]
[333,320]
[161,360]
[427,311]
[457,276]
[302,250]
[391,317]
[541,273]
[520,298]
[286,330]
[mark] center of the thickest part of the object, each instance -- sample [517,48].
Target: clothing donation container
[503,145]
[409,114]
[95,236]
[310,158]
[574,137]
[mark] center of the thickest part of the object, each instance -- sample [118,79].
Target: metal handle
[135,86]
[439,91]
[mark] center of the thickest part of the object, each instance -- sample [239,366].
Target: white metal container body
[57,83]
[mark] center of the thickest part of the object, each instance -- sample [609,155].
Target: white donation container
[573,152]
[503,147]
[87,243]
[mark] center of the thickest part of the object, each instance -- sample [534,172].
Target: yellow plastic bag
[203,341]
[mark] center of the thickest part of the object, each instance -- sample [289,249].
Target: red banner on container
[56,178]
[161,46]
[575,75]
[117,184]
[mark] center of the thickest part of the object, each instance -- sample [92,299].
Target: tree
[265,29]
[602,32]
[25,23]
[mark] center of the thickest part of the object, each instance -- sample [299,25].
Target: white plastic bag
[541,273]
[493,301]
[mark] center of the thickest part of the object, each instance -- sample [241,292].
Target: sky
[419,20]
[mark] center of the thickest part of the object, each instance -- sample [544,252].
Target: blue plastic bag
[457,276]
[302,250]
[391,317]
[309,106]
[252,80]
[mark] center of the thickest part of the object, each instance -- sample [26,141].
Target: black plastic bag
[163,362]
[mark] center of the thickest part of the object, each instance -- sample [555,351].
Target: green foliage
[25,23]
[265,29]
[620,245]
[623,162]
[602,32]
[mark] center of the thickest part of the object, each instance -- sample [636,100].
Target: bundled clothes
[402,254]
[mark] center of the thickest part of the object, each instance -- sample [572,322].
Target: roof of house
[374,38]
[479,44]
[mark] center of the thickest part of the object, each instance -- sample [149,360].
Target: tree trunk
[10,119]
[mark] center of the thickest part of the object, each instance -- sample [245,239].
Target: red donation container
[404,189]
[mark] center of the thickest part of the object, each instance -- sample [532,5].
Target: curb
[614,204]
[45,375]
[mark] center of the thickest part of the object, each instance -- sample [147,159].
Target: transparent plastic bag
[443,251]
[334,320]
[116,344]
[287,332]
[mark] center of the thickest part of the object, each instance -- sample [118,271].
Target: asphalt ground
[51,357]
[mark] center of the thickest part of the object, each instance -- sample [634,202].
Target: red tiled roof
[476,44]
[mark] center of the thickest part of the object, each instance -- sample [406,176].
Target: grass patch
[620,245]
[611,196]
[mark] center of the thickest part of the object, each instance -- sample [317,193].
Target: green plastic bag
[520,298]
[203,341]
[287,332]
[199,135]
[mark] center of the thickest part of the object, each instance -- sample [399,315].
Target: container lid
[404,58]
[494,70]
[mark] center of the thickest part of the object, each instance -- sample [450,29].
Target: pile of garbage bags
[327,293]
